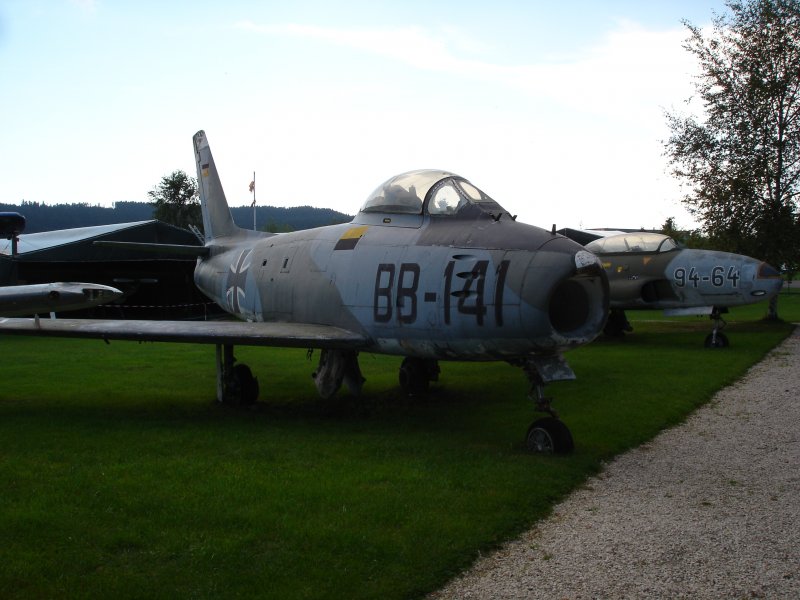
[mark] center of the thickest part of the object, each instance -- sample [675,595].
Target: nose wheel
[717,339]
[547,435]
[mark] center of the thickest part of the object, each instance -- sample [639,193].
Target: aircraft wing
[295,335]
[16,300]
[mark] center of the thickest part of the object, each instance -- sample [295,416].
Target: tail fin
[217,220]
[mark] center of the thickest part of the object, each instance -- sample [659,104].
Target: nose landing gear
[548,435]
[717,339]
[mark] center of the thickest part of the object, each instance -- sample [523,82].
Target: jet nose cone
[768,281]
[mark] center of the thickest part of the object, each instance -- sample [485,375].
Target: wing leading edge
[290,335]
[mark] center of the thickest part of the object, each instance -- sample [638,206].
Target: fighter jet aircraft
[649,271]
[33,299]
[430,269]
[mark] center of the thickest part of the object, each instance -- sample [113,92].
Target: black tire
[617,324]
[549,436]
[246,384]
[414,378]
[721,341]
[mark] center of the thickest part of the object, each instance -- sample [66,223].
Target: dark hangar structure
[155,285]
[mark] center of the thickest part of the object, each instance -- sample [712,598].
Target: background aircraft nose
[768,281]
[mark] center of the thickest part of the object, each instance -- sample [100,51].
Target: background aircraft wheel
[617,323]
[246,385]
[549,436]
[721,341]
[414,377]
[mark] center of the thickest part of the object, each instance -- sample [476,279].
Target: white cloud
[86,6]
[583,134]
[631,64]
[411,45]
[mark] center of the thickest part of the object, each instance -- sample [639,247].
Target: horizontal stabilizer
[175,249]
[292,335]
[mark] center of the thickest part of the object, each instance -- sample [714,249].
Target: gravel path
[709,509]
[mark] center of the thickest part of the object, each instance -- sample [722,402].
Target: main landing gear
[416,374]
[337,367]
[617,324]
[717,339]
[548,435]
[236,384]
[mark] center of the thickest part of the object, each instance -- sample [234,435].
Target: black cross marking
[236,281]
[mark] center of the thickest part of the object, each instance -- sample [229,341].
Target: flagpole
[253,187]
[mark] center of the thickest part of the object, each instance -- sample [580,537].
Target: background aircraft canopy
[639,241]
[445,192]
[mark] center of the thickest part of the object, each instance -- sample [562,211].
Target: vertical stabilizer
[217,220]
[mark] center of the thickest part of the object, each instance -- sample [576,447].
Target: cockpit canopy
[436,192]
[639,241]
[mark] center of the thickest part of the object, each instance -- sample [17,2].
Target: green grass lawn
[120,476]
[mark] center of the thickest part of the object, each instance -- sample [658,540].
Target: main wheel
[414,376]
[617,324]
[549,436]
[718,341]
[246,385]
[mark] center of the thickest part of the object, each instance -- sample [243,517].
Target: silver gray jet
[430,269]
[650,271]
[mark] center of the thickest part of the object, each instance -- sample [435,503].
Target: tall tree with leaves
[175,200]
[740,159]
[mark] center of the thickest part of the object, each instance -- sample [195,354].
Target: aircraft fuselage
[688,278]
[418,285]
[649,270]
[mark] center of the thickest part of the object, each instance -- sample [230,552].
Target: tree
[273,227]
[176,202]
[691,238]
[741,159]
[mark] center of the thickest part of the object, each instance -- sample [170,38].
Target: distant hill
[48,217]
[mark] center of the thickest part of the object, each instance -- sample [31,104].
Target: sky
[555,109]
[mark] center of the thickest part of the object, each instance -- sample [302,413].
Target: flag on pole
[253,191]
